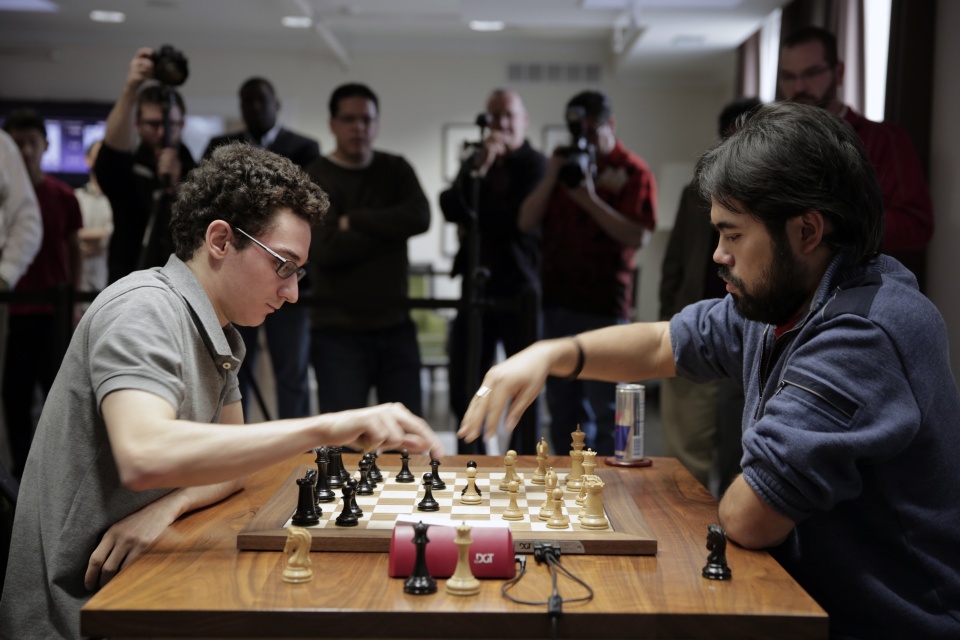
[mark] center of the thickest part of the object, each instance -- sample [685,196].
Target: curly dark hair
[788,159]
[244,186]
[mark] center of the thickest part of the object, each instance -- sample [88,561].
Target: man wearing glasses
[144,421]
[139,178]
[811,73]
[362,337]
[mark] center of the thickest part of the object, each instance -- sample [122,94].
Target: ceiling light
[29,5]
[486,25]
[297,22]
[115,17]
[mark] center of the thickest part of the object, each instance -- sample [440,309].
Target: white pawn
[541,471]
[513,511]
[470,494]
[463,582]
[550,480]
[508,462]
[558,520]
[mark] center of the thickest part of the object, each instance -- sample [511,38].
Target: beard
[829,96]
[779,293]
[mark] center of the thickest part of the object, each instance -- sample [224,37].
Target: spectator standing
[507,169]
[362,336]
[591,233]
[810,73]
[33,353]
[287,330]
[701,421]
[97,227]
[21,228]
[140,179]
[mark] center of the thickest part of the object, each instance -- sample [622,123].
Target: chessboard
[628,533]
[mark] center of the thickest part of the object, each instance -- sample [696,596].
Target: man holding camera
[504,169]
[139,180]
[594,217]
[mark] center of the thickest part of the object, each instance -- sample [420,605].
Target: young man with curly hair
[141,424]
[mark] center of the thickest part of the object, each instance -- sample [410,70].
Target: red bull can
[628,430]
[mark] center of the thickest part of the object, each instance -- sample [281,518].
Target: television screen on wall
[71,128]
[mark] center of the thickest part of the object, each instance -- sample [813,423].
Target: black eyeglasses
[807,75]
[287,267]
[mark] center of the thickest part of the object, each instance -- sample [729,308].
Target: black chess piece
[354,507]
[334,477]
[437,483]
[322,492]
[364,488]
[347,518]
[476,487]
[420,582]
[717,568]
[405,476]
[376,477]
[428,503]
[306,515]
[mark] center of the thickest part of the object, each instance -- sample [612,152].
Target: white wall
[944,174]
[665,120]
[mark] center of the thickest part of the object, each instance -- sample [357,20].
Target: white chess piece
[463,582]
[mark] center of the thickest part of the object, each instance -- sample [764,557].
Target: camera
[581,156]
[169,66]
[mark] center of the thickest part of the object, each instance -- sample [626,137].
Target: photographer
[140,180]
[591,232]
[507,169]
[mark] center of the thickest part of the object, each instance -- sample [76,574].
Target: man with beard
[810,73]
[850,466]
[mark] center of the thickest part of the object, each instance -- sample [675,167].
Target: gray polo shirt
[155,331]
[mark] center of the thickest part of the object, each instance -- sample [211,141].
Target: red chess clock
[491,554]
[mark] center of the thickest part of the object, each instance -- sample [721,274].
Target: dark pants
[349,364]
[729,431]
[32,359]
[515,333]
[288,340]
[587,403]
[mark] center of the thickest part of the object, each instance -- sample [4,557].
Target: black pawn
[376,477]
[476,487]
[364,488]
[322,492]
[306,515]
[420,582]
[354,507]
[347,518]
[334,479]
[437,483]
[717,568]
[428,503]
[368,458]
[405,476]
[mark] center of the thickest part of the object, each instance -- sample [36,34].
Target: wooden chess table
[194,582]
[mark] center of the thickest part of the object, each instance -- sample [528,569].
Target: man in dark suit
[288,330]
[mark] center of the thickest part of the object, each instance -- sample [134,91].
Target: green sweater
[360,275]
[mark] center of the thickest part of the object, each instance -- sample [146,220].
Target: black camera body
[170,66]
[580,158]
